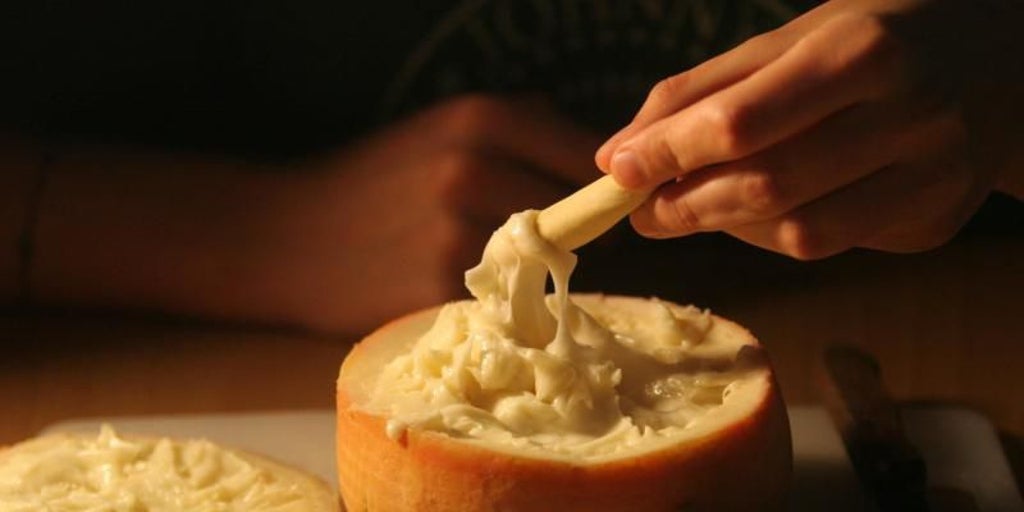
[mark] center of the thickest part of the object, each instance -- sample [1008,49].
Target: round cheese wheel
[703,427]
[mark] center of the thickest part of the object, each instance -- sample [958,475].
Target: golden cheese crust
[745,465]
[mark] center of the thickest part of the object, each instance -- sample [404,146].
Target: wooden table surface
[945,325]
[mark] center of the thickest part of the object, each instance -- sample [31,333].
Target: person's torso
[287,77]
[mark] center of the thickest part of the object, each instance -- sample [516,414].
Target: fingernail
[602,155]
[610,144]
[627,169]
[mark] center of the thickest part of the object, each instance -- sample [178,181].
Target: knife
[889,467]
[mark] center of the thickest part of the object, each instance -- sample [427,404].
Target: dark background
[276,80]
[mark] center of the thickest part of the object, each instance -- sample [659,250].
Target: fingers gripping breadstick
[590,211]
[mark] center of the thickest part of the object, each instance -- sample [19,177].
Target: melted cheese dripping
[522,371]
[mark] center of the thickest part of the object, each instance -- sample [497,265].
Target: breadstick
[588,212]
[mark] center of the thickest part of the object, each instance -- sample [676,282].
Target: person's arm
[340,242]
[192,234]
[864,123]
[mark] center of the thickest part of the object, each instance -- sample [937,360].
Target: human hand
[398,217]
[864,123]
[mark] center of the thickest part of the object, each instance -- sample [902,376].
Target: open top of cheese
[113,473]
[580,378]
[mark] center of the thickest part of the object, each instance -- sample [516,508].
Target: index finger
[835,67]
[679,91]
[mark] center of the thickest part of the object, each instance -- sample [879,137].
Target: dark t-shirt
[285,77]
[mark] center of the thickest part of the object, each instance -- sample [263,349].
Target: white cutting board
[960,448]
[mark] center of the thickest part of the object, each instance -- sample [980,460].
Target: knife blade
[890,468]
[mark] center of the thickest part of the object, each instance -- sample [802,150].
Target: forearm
[177,233]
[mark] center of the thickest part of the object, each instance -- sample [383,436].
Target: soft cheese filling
[109,473]
[570,376]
